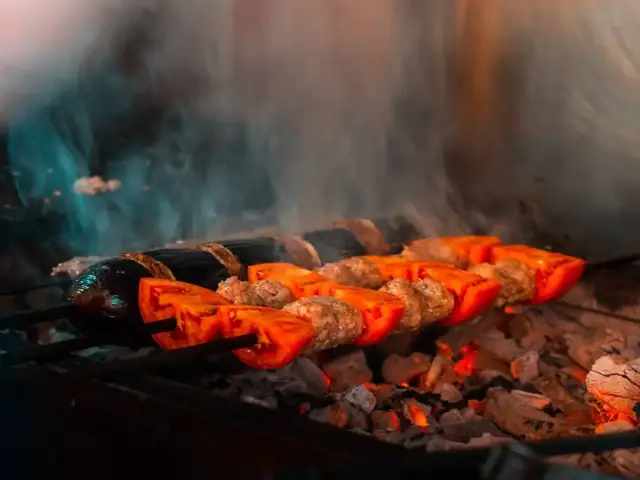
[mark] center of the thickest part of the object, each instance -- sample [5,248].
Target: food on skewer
[425,301]
[308,324]
[157,300]
[334,321]
[263,293]
[109,289]
[354,271]
[517,280]
[553,273]
[460,251]
[527,276]
[472,293]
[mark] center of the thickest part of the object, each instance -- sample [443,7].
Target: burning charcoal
[452,342]
[487,376]
[415,437]
[336,415]
[384,421]
[448,392]
[417,413]
[535,341]
[401,370]
[585,349]
[632,348]
[525,367]
[383,393]
[626,462]
[438,367]
[532,399]
[615,427]
[494,341]
[562,399]
[516,417]
[467,430]
[452,417]
[521,326]
[399,343]
[615,384]
[348,371]
[362,398]
[302,376]
[485,360]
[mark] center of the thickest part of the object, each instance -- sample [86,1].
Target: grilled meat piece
[339,273]
[517,280]
[434,250]
[239,292]
[414,303]
[439,302]
[335,322]
[355,271]
[274,294]
[264,293]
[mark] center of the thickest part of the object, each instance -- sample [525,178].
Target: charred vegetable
[108,292]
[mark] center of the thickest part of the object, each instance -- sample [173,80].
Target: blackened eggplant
[397,231]
[335,244]
[193,266]
[106,294]
[259,250]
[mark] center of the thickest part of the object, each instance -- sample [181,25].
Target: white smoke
[345,101]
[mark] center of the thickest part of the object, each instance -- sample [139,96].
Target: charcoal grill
[139,417]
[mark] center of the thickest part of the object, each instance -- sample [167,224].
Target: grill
[147,412]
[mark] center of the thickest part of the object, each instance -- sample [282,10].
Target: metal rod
[171,359]
[63,283]
[41,353]
[450,460]
[595,311]
[20,320]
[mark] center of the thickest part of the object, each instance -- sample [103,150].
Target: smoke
[317,108]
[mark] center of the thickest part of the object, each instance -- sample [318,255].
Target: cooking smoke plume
[341,106]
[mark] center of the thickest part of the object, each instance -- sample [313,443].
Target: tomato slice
[381,312]
[157,297]
[388,266]
[476,248]
[295,278]
[281,336]
[160,299]
[473,293]
[197,323]
[555,273]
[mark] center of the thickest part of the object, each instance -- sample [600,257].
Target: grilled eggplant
[108,290]
[107,295]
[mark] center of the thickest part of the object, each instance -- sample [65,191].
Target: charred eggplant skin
[106,294]
[191,266]
[334,245]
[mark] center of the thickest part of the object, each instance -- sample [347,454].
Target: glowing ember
[465,366]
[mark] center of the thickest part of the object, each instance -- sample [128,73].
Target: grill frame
[149,409]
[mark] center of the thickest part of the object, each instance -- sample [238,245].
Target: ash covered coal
[543,374]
